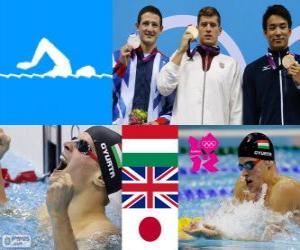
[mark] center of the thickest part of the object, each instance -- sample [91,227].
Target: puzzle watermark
[16,241]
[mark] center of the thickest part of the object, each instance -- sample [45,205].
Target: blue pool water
[18,217]
[208,195]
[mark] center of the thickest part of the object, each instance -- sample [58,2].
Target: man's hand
[205,230]
[187,36]
[125,54]
[4,143]
[59,194]
[294,71]
[270,231]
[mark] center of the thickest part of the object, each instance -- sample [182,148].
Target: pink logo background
[202,152]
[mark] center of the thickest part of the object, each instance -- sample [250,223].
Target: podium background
[241,20]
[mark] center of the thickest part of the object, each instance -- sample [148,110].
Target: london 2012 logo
[203,153]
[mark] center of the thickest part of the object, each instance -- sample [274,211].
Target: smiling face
[149,28]
[209,30]
[82,168]
[277,32]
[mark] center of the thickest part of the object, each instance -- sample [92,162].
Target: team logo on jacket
[264,68]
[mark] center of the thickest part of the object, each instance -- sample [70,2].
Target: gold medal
[193,30]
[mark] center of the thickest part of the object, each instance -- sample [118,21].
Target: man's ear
[265,33]
[269,164]
[161,28]
[220,30]
[98,181]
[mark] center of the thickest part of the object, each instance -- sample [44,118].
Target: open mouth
[62,164]
[248,181]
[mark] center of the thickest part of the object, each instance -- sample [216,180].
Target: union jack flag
[150,187]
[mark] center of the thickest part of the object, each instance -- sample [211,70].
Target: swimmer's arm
[286,198]
[297,216]
[63,235]
[205,230]
[296,205]
[59,195]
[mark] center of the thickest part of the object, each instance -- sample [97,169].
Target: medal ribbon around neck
[271,60]
[140,54]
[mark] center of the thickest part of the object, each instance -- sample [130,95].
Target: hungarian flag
[116,149]
[149,145]
[263,144]
[149,208]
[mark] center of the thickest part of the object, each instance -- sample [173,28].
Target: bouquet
[138,116]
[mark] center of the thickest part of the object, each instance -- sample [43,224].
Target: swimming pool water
[18,216]
[202,194]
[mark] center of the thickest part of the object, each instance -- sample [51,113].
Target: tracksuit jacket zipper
[281,91]
[203,91]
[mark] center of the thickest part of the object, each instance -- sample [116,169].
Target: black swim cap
[256,145]
[108,148]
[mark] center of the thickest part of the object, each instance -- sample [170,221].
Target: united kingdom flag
[150,187]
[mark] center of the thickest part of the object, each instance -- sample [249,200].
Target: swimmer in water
[258,167]
[4,146]
[79,189]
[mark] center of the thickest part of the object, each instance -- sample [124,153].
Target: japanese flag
[150,229]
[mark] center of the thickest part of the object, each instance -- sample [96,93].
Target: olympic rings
[209,144]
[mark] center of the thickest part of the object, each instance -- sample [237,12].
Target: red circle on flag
[150,229]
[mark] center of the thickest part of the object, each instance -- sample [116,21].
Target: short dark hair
[209,11]
[278,10]
[152,9]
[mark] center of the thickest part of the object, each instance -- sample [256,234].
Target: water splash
[253,221]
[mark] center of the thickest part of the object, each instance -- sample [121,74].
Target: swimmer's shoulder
[285,195]
[286,185]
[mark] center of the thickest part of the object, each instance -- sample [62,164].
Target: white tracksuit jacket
[203,98]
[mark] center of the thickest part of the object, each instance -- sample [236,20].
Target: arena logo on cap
[108,160]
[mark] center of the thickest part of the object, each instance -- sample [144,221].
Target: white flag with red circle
[150,229]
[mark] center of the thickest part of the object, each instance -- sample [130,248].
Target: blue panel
[82,31]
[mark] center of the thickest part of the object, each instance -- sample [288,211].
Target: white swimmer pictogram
[62,65]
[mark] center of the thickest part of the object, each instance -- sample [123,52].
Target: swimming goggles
[84,147]
[249,165]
